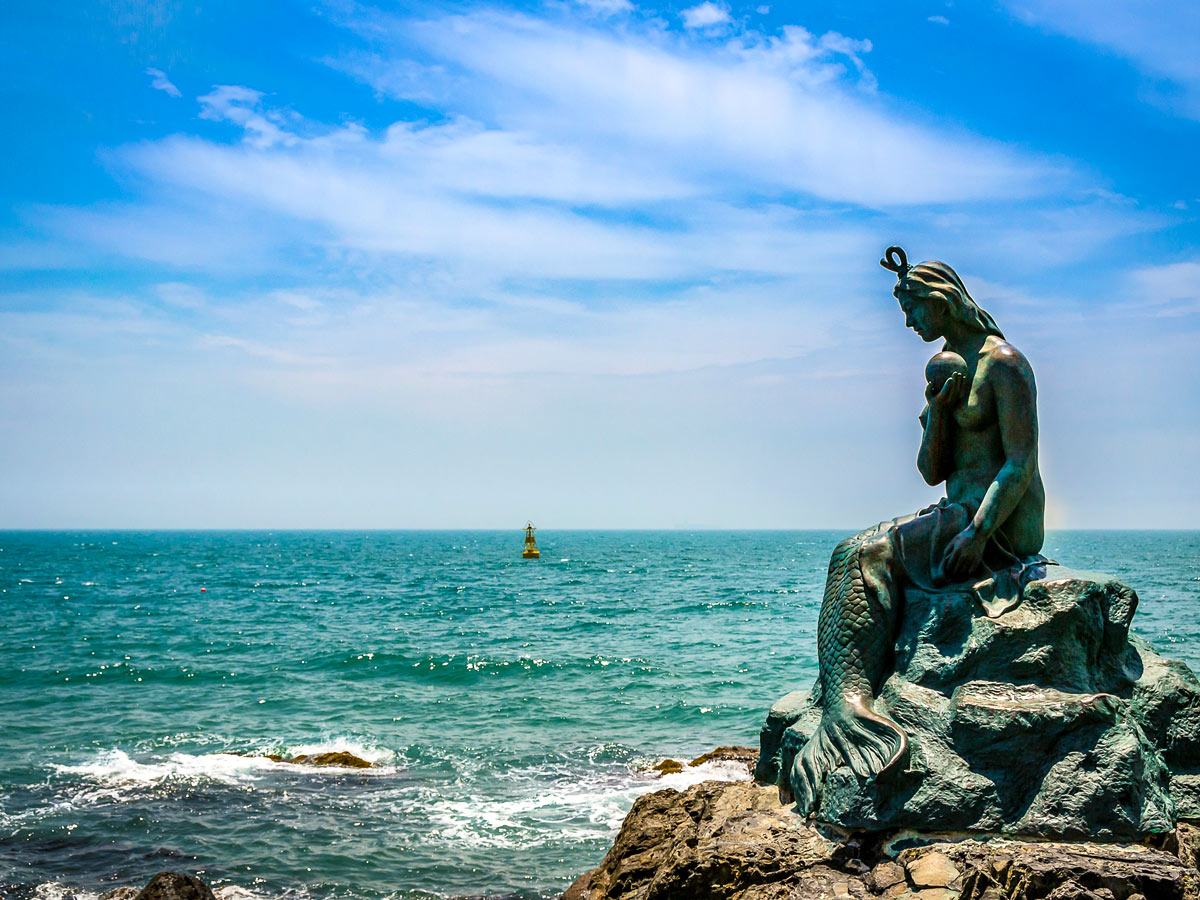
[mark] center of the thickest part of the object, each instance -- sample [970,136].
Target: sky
[594,263]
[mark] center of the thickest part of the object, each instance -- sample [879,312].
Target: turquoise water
[510,706]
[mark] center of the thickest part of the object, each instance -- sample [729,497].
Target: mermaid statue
[979,437]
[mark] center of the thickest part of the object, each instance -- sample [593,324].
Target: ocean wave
[575,806]
[55,890]
[113,775]
[380,758]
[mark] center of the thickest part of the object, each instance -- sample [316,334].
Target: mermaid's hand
[948,396]
[964,554]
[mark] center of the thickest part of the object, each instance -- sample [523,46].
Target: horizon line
[112,529]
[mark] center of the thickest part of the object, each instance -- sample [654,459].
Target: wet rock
[1049,720]
[120,893]
[746,755]
[336,758]
[331,758]
[668,767]
[175,886]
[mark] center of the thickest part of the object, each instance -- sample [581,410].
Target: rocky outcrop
[175,886]
[739,841]
[170,886]
[748,756]
[331,758]
[1048,720]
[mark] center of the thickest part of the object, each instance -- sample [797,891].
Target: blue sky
[598,264]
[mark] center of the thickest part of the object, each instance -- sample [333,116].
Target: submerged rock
[739,841]
[1049,720]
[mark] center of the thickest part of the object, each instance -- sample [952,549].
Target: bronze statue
[980,438]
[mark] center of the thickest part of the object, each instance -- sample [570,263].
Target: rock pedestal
[738,841]
[1050,720]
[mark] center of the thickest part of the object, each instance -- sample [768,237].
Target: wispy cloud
[1167,290]
[775,112]
[1161,39]
[160,82]
[264,127]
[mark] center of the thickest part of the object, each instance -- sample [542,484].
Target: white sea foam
[53,890]
[713,770]
[375,755]
[575,807]
[115,775]
[235,892]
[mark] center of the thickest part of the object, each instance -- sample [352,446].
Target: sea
[511,709]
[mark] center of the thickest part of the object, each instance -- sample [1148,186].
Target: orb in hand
[939,369]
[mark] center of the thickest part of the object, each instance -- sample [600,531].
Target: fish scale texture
[853,633]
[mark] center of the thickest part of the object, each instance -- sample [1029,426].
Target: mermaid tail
[854,637]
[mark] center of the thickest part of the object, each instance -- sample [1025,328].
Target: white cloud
[1167,290]
[705,15]
[462,197]
[939,20]
[243,107]
[774,112]
[1162,39]
[160,82]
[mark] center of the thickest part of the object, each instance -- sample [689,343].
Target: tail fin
[870,744]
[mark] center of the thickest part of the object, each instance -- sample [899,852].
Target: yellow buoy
[531,548]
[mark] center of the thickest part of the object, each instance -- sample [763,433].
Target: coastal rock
[747,756]
[330,758]
[716,840]
[1049,720]
[175,886]
[739,841]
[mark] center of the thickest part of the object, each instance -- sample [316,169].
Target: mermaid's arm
[936,455]
[1016,409]
[1015,395]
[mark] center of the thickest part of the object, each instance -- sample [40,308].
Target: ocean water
[511,707]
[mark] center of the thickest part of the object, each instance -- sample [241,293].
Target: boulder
[175,886]
[739,841]
[1048,720]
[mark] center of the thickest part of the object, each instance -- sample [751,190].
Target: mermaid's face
[923,314]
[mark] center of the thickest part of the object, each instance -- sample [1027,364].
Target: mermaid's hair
[936,279]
